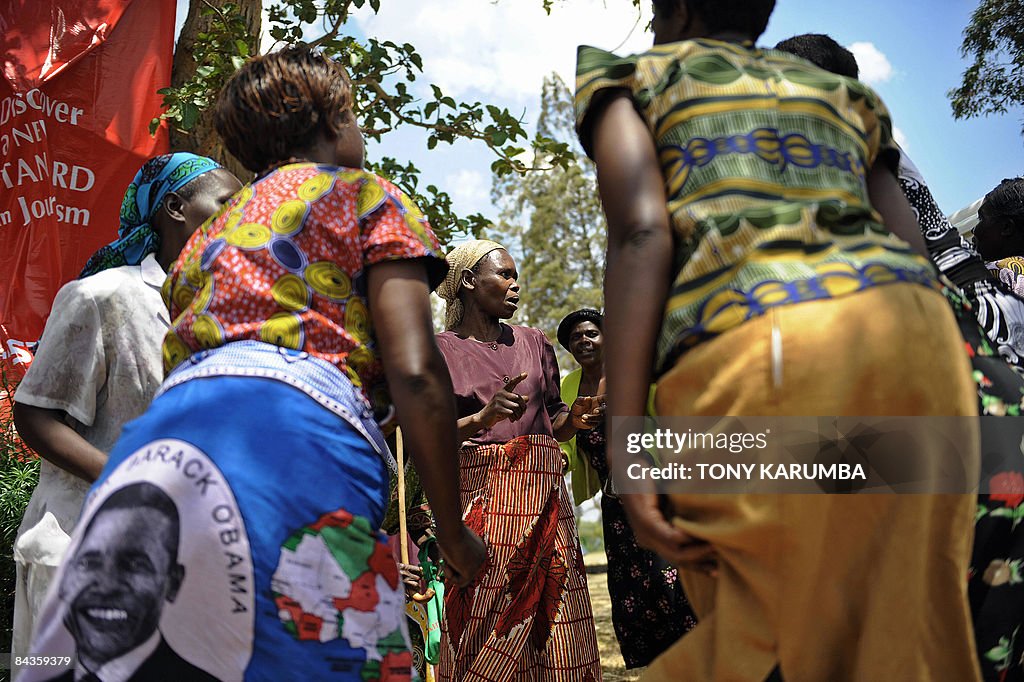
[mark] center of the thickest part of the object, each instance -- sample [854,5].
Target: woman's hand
[587,411]
[504,405]
[412,578]
[656,533]
[463,556]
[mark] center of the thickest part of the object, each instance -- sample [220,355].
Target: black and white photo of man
[115,587]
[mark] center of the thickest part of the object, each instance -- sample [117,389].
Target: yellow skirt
[829,587]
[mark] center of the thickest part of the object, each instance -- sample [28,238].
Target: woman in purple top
[530,604]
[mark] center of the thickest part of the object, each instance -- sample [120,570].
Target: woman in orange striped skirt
[527,616]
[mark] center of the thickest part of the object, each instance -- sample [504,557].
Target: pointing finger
[514,381]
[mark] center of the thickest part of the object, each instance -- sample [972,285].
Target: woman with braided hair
[528,615]
[300,314]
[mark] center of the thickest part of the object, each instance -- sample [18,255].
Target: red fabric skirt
[527,616]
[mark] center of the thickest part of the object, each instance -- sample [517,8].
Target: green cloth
[417,510]
[585,481]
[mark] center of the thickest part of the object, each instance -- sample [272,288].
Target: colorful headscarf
[461,257]
[1010,271]
[136,238]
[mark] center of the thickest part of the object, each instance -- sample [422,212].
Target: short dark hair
[822,51]
[275,104]
[749,17]
[144,496]
[1003,207]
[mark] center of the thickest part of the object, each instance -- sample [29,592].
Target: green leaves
[19,473]
[218,53]
[994,82]
[386,99]
[387,94]
[189,115]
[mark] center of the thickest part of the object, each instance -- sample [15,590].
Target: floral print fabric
[998,308]
[985,313]
[284,262]
[995,577]
[649,609]
[1010,271]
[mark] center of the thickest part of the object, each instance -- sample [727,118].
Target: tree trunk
[203,139]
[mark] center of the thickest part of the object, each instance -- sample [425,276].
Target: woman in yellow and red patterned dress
[300,311]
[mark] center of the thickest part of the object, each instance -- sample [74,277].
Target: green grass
[19,472]
[591,536]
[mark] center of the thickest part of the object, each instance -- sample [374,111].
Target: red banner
[76,98]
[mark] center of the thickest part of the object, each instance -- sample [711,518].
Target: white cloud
[180,12]
[900,137]
[470,191]
[504,49]
[874,66]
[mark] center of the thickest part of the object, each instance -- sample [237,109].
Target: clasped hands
[587,411]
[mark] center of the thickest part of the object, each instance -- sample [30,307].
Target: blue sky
[499,52]
[961,160]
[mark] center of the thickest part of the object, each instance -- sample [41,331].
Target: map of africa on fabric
[335,580]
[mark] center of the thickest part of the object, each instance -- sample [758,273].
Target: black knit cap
[570,321]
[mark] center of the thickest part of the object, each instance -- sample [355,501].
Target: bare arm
[639,251]
[422,391]
[636,288]
[888,199]
[47,433]
[469,427]
[562,427]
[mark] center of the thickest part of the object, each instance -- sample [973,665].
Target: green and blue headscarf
[136,237]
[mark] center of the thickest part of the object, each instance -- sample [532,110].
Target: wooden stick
[403,530]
